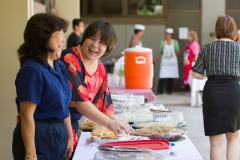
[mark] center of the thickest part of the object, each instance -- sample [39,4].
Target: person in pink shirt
[190,54]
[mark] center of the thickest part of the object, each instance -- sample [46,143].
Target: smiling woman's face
[56,42]
[93,47]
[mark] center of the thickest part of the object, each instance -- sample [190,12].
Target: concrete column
[68,10]
[13,15]
[211,9]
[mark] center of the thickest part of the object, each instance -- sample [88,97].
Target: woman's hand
[27,110]
[69,150]
[91,112]
[117,127]
[199,76]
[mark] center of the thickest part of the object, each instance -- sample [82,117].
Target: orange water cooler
[138,68]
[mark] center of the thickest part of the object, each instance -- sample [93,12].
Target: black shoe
[157,93]
[169,92]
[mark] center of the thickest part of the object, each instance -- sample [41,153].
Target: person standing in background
[219,62]
[169,50]
[190,54]
[238,36]
[138,33]
[74,37]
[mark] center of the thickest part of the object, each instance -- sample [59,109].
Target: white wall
[211,9]
[68,10]
[13,15]
[39,8]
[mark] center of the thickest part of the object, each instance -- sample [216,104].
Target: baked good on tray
[89,125]
[163,124]
[160,132]
[103,133]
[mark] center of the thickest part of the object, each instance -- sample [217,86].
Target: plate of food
[88,126]
[160,132]
[102,135]
[152,123]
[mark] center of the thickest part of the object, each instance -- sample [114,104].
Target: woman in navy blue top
[43,94]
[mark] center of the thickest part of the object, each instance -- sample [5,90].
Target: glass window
[184,5]
[145,7]
[101,7]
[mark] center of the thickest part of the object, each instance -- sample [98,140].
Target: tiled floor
[175,99]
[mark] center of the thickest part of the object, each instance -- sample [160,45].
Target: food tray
[122,97]
[88,125]
[176,132]
[85,129]
[166,137]
[122,104]
[132,117]
[139,125]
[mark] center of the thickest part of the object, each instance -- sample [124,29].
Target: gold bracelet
[31,156]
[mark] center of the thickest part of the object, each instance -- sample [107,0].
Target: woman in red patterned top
[88,77]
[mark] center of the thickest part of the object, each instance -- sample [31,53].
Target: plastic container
[144,155]
[119,70]
[138,68]
[113,80]
[162,117]
[122,117]
[123,97]
[161,146]
[169,117]
[123,102]
[142,116]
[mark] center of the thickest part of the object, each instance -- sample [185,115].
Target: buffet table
[184,150]
[147,93]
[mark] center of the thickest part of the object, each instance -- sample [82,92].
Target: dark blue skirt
[51,139]
[221,105]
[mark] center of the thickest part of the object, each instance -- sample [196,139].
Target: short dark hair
[75,22]
[108,35]
[226,27]
[37,34]
[136,31]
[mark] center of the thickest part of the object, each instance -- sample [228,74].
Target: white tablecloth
[184,150]
[196,86]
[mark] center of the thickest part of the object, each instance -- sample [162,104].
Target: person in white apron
[169,63]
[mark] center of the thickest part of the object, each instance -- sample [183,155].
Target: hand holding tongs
[120,149]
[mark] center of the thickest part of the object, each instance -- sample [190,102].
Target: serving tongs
[159,111]
[120,149]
